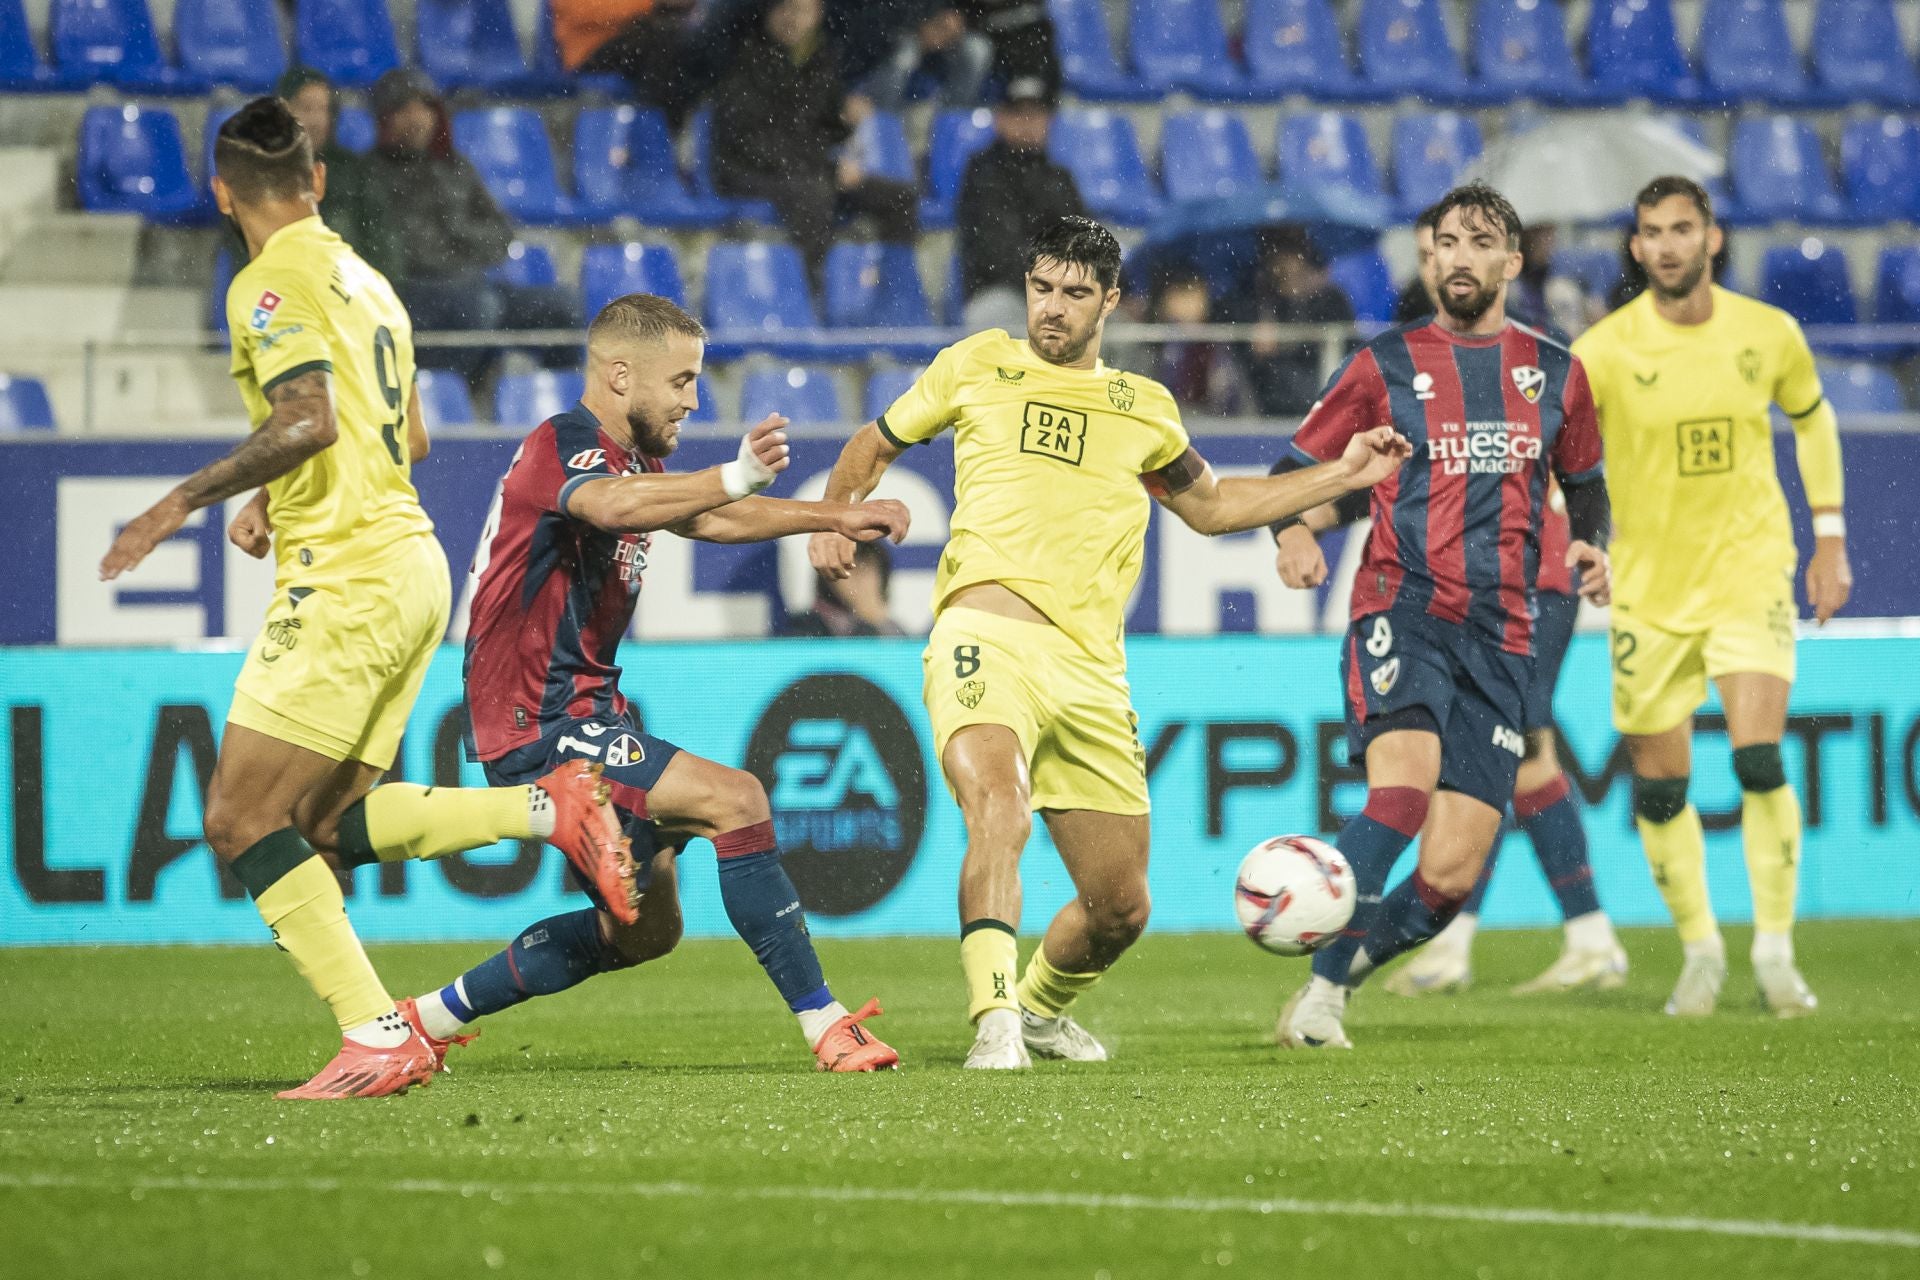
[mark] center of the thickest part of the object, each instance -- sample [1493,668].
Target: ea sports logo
[843,771]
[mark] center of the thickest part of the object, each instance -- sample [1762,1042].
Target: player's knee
[1659,800]
[1759,767]
[231,830]
[1117,922]
[997,822]
[637,945]
[739,801]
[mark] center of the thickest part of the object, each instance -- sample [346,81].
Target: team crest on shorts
[1529,382]
[1385,676]
[624,750]
[970,693]
[1120,391]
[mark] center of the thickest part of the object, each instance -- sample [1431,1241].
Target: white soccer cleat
[1783,990]
[1059,1037]
[1580,969]
[1312,1018]
[1698,990]
[1434,969]
[998,1046]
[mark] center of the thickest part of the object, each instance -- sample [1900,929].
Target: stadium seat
[217,293]
[1746,54]
[1896,294]
[354,129]
[1294,47]
[1520,50]
[230,42]
[444,399]
[112,42]
[22,69]
[1328,150]
[624,164]
[132,161]
[951,142]
[1809,281]
[1633,51]
[1100,150]
[1780,174]
[24,405]
[877,286]
[509,146]
[1858,53]
[1880,164]
[1085,49]
[526,265]
[879,145]
[1181,45]
[757,300]
[700,144]
[1860,386]
[609,271]
[801,393]
[1430,152]
[886,386]
[1597,269]
[350,42]
[1207,155]
[1368,283]
[522,401]
[469,44]
[1405,51]
[209,134]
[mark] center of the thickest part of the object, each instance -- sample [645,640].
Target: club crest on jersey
[624,750]
[1120,391]
[1385,676]
[1750,366]
[1423,386]
[263,311]
[1529,381]
[587,460]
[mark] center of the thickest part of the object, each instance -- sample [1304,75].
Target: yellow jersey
[1048,497]
[1699,516]
[307,302]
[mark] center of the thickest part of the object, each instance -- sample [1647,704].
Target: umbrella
[1220,232]
[1587,168]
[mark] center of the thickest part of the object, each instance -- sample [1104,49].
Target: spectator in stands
[911,36]
[434,231]
[669,51]
[316,105]
[1022,36]
[1289,285]
[1010,189]
[852,606]
[1415,302]
[1201,375]
[1542,296]
[779,114]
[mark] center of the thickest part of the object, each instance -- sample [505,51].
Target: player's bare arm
[763,519]
[1298,558]
[299,425]
[863,460]
[1829,573]
[418,445]
[642,503]
[1189,489]
[1816,444]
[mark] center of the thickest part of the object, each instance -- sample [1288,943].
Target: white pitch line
[1806,1232]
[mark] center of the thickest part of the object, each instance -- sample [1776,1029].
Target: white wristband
[1829,524]
[745,475]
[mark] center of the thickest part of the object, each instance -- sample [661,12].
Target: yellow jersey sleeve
[279,331]
[1170,431]
[928,407]
[1797,389]
[1816,430]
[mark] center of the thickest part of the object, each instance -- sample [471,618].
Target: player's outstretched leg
[1592,956]
[1446,963]
[986,767]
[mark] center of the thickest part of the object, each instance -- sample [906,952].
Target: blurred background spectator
[316,104]
[1010,188]
[1022,38]
[1289,285]
[1202,376]
[852,606]
[888,42]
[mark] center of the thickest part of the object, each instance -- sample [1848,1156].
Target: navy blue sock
[1479,895]
[764,908]
[1371,842]
[559,952]
[1551,818]
[1414,912]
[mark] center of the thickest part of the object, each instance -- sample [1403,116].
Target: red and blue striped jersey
[1457,530]
[551,595]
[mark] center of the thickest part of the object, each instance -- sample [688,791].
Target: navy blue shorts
[633,761]
[1401,659]
[1552,633]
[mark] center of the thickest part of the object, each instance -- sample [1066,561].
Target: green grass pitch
[664,1122]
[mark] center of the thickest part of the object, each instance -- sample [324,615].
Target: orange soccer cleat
[410,1010]
[848,1046]
[587,830]
[362,1071]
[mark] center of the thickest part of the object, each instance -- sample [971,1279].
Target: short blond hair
[641,317]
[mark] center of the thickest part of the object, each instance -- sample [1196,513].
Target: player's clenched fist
[1300,562]
[869,521]
[1372,456]
[763,455]
[1594,570]
[250,530]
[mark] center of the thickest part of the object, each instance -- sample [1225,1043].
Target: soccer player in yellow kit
[1055,454]
[323,354]
[1703,562]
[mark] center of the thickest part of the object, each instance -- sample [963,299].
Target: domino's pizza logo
[263,311]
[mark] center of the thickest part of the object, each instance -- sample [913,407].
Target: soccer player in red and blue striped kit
[1440,654]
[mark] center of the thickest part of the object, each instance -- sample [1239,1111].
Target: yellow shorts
[338,665]
[1071,712]
[1660,676]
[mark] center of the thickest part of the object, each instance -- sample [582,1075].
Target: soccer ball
[1293,894]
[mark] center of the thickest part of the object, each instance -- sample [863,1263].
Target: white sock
[1773,948]
[1005,1021]
[815,1023]
[388,1031]
[540,812]
[439,1021]
[1326,987]
[1459,933]
[1590,932]
[1712,948]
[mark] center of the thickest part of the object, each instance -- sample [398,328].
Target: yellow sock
[402,821]
[1677,852]
[1770,829]
[1046,990]
[296,894]
[989,957]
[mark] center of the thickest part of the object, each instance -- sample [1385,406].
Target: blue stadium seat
[1780,174]
[1633,51]
[1746,54]
[551,77]
[1181,44]
[522,401]
[609,271]
[1896,294]
[1860,386]
[1405,51]
[624,163]
[1328,150]
[509,146]
[1597,269]
[22,69]
[444,398]
[529,265]
[951,143]
[1880,164]
[757,299]
[1368,283]
[209,134]
[877,286]
[1857,52]
[350,42]
[1430,152]
[112,42]
[801,393]
[1809,280]
[217,293]
[1520,49]
[1100,150]
[1085,48]
[354,129]
[24,405]
[132,161]
[469,44]
[700,144]
[1207,155]
[1294,46]
[230,42]
[879,145]
[886,386]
